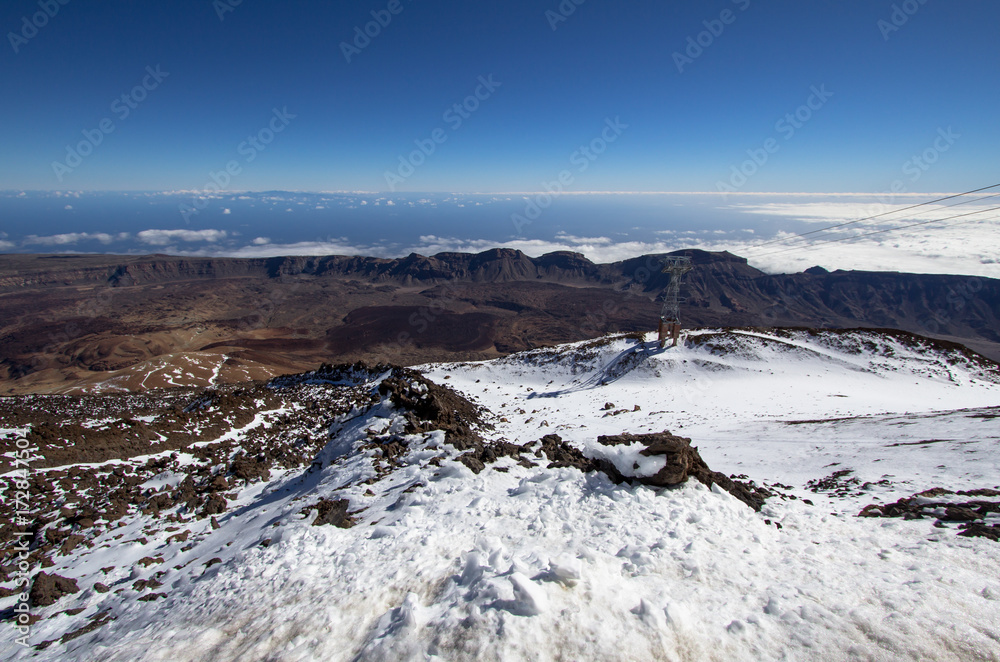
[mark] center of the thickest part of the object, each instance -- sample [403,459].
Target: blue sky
[383,127]
[887,94]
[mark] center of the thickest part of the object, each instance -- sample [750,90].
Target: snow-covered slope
[781,405]
[525,560]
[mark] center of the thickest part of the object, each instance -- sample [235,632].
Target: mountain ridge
[76,319]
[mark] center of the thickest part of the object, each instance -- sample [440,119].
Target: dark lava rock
[332,512]
[959,514]
[483,454]
[681,457]
[116,510]
[904,508]
[432,407]
[978,530]
[143,584]
[54,536]
[216,505]
[97,620]
[46,589]
[250,469]
[179,537]
[70,543]
[986,492]
[160,502]
[921,505]
[684,461]
[474,463]
[561,454]
[841,483]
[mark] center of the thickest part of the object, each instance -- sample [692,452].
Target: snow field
[519,563]
[558,565]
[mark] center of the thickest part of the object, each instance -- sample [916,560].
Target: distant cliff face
[86,314]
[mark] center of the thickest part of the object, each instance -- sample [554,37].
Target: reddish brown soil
[78,324]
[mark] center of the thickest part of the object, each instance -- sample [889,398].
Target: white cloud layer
[832,213]
[969,245]
[69,238]
[165,237]
[971,249]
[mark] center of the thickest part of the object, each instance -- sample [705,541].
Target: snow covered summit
[479,511]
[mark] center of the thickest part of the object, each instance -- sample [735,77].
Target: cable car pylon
[670,315]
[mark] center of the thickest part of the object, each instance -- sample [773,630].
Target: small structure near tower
[670,315]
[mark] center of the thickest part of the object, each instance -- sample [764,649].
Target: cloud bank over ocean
[894,233]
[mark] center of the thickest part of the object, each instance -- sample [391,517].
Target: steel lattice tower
[670,315]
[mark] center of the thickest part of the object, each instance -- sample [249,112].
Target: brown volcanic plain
[99,323]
